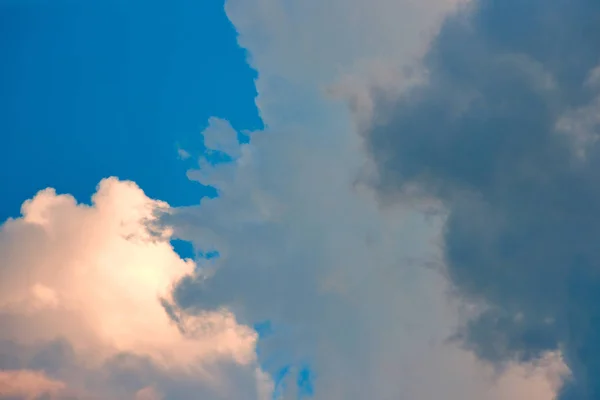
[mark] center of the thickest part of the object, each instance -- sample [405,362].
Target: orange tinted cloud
[97,277]
[28,385]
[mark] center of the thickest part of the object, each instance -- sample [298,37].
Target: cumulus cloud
[355,293]
[503,134]
[85,296]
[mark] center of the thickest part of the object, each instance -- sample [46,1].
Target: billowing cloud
[85,296]
[353,292]
[504,134]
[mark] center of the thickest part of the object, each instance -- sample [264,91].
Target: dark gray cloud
[503,132]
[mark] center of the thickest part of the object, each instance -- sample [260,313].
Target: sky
[91,89]
[282,200]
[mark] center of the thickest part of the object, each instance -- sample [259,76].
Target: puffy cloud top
[99,278]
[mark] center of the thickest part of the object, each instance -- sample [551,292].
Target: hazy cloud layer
[504,132]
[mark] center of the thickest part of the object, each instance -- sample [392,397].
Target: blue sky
[90,89]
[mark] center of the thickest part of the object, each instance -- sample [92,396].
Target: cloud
[148,393]
[96,298]
[503,133]
[27,385]
[85,296]
[349,290]
[298,50]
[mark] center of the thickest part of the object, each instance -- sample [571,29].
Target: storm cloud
[503,134]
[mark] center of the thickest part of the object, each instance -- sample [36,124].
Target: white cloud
[98,278]
[301,47]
